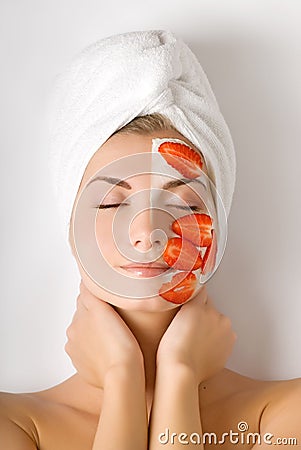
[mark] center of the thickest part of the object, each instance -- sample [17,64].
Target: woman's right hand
[99,341]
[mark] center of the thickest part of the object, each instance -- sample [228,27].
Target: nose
[146,231]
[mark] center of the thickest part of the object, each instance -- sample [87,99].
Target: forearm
[123,419]
[175,410]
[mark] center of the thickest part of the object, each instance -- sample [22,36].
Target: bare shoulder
[265,406]
[284,400]
[47,419]
[280,421]
[18,407]
[17,427]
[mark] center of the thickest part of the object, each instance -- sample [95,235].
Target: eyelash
[115,205]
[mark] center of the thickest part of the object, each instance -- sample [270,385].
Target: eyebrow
[169,185]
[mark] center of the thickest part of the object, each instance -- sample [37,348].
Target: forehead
[122,144]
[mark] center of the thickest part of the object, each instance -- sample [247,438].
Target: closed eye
[192,207]
[110,205]
[186,208]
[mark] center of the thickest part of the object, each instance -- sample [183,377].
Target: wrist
[125,373]
[176,371]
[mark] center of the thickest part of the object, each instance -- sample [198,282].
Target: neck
[148,329]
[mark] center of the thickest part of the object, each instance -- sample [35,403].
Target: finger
[193,306]
[80,306]
[75,317]
[86,298]
[82,287]
[95,304]
[210,306]
[209,302]
[199,299]
[204,297]
[90,301]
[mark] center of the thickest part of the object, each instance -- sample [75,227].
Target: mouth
[147,270]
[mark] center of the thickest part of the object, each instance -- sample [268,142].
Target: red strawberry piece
[209,258]
[182,255]
[194,227]
[179,289]
[182,158]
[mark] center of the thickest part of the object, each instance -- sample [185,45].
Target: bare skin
[66,416]
[135,377]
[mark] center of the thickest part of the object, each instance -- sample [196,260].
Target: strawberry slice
[179,291]
[182,255]
[182,158]
[194,227]
[210,256]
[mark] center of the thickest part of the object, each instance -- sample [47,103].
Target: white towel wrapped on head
[123,76]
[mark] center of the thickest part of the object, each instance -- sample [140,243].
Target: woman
[150,371]
[135,378]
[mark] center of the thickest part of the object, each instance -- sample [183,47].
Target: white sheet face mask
[195,205]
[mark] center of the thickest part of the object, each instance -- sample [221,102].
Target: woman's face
[131,237]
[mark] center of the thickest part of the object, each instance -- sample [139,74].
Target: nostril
[158,236]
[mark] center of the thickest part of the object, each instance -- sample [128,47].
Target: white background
[251,52]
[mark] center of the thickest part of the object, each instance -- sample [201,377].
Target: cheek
[104,235]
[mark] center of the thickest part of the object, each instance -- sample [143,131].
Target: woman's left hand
[199,338]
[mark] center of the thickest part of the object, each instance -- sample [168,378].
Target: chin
[155,304]
[151,304]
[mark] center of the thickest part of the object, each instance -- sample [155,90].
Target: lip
[147,270]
